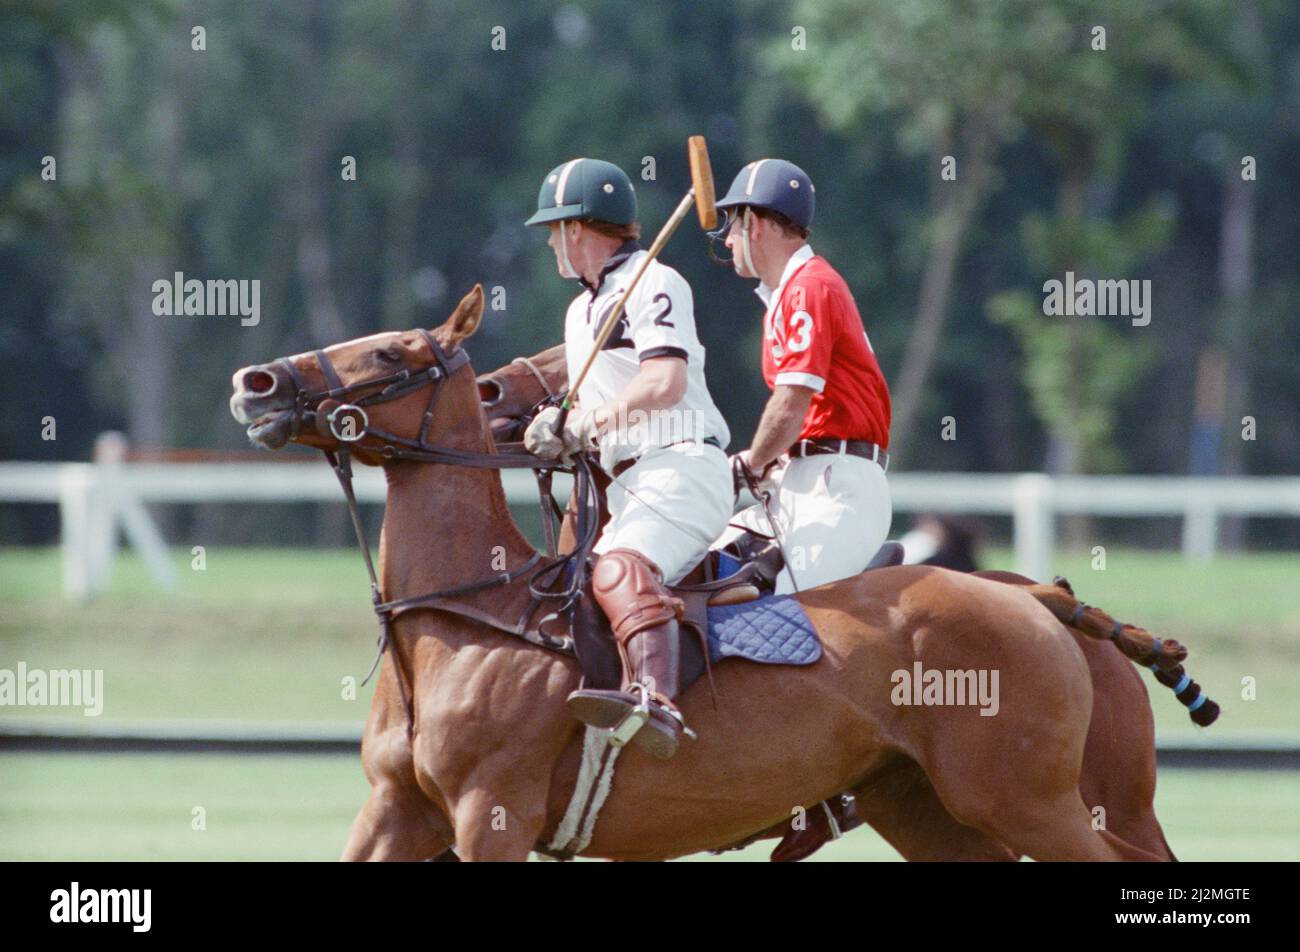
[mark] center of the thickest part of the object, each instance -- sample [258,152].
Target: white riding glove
[579,434]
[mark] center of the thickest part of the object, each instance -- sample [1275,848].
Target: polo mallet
[702,195]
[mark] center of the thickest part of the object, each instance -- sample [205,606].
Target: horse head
[369,394]
[512,394]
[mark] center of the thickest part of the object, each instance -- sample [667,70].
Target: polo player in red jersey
[820,447]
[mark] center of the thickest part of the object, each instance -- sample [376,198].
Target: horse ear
[465,320]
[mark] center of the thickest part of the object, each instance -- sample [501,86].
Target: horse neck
[446,526]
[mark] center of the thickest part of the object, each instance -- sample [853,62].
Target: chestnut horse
[485,754]
[1119,757]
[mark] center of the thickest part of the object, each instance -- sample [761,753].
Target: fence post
[129,513]
[1200,531]
[1034,525]
[124,510]
[82,527]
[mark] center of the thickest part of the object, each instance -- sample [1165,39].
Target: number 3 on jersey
[800,325]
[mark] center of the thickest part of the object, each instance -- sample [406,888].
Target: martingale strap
[388,611]
[395,447]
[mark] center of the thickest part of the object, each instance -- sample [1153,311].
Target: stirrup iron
[636,719]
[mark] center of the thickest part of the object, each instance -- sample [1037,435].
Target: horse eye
[389,356]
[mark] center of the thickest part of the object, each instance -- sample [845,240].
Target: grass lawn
[270,634]
[141,807]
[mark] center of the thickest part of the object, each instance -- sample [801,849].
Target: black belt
[824,445]
[625,465]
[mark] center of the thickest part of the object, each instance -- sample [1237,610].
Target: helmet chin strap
[566,266]
[745,258]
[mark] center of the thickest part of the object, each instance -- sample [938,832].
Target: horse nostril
[489,392]
[259,382]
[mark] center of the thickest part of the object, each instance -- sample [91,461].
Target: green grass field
[269,635]
[263,807]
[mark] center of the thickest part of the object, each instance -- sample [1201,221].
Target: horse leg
[1042,815]
[397,823]
[501,826]
[398,820]
[900,804]
[1119,759]
[1134,824]
[1062,829]
[1019,783]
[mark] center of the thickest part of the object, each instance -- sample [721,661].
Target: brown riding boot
[828,820]
[644,617]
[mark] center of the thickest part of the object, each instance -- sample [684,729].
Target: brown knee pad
[630,590]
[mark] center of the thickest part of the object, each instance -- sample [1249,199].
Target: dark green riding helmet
[586,188]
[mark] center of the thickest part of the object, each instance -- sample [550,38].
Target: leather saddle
[760,563]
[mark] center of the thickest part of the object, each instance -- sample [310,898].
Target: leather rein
[314,408]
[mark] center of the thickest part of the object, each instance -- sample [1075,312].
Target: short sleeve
[663,314]
[806,336]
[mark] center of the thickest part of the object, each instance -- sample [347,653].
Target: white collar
[797,261]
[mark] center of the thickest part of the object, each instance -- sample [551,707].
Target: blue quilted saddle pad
[773,630]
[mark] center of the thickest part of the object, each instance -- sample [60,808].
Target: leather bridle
[308,405]
[307,411]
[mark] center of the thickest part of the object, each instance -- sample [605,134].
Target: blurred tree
[968,76]
[951,70]
[1085,94]
[129,238]
[226,163]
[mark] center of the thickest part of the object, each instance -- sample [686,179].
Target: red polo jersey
[813,336]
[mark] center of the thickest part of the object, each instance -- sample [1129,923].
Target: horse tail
[1162,656]
[1136,643]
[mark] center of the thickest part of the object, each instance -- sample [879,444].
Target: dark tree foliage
[227,161]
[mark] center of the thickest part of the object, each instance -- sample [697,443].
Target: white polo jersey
[658,321]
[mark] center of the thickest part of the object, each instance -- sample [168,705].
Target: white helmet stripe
[753,174]
[564,178]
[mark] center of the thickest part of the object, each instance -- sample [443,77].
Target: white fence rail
[97,499]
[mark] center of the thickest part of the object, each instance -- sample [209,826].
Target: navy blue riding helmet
[774,184]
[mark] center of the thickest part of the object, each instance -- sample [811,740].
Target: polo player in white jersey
[645,407]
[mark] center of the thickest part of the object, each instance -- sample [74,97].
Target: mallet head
[706,208]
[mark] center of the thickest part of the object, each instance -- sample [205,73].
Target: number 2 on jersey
[661,318]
